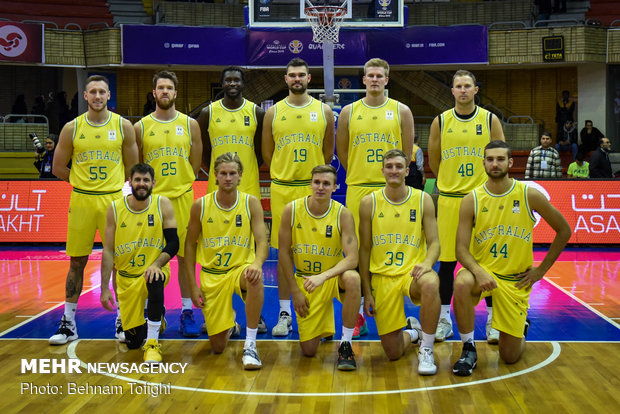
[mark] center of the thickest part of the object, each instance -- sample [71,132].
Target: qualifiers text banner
[21,42]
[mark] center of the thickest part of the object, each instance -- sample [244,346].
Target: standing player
[227,224]
[455,147]
[169,141]
[398,247]
[101,146]
[298,134]
[367,129]
[494,245]
[140,239]
[318,238]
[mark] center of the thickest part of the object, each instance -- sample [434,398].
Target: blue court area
[554,314]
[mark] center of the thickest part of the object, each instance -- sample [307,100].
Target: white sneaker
[120,333]
[444,330]
[426,361]
[250,359]
[66,333]
[284,325]
[262,326]
[492,334]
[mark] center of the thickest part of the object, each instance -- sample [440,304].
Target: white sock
[361,311]
[413,334]
[70,309]
[152,331]
[146,303]
[250,337]
[285,306]
[490,312]
[186,304]
[428,340]
[468,337]
[347,334]
[445,313]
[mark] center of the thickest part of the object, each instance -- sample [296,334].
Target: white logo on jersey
[314,117]
[112,135]
[179,130]
[389,115]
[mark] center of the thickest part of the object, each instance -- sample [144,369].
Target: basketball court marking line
[11,329]
[585,304]
[557,349]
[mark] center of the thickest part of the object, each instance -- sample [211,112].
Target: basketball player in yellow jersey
[298,134]
[102,148]
[455,146]
[233,124]
[169,141]
[398,247]
[494,245]
[232,247]
[141,238]
[318,238]
[367,129]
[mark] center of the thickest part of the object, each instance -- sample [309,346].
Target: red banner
[36,211]
[21,42]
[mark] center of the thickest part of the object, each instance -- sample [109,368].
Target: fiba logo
[385,3]
[13,41]
[295,46]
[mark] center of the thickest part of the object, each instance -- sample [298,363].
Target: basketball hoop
[325,22]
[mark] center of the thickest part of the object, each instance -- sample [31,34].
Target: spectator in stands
[52,113]
[544,9]
[579,168]
[564,110]
[589,137]
[44,161]
[19,108]
[74,111]
[544,160]
[38,108]
[559,6]
[567,140]
[150,104]
[600,166]
[416,178]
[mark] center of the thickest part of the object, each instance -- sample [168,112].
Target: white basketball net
[325,22]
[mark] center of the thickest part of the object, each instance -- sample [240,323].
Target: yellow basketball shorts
[218,290]
[389,293]
[510,304]
[447,223]
[87,214]
[281,195]
[182,206]
[320,319]
[132,293]
[355,193]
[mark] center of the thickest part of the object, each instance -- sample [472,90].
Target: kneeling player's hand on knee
[419,270]
[153,273]
[486,281]
[253,274]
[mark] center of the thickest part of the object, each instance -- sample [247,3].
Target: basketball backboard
[360,13]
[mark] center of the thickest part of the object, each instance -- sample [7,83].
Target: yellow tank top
[226,240]
[502,232]
[139,236]
[462,151]
[232,130]
[166,146]
[317,242]
[398,240]
[373,130]
[298,133]
[97,159]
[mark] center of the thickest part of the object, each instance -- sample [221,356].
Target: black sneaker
[527,328]
[346,361]
[467,363]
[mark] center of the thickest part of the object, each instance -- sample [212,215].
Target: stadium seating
[61,12]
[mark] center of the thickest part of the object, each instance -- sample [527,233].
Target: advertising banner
[21,42]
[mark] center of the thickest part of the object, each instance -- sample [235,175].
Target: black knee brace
[155,305]
[446,281]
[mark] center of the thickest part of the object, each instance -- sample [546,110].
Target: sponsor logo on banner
[21,42]
[276,47]
[295,46]
[13,41]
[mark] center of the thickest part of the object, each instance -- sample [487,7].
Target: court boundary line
[453,341]
[584,304]
[556,351]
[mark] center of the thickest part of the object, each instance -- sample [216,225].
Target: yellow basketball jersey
[462,151]
[166,146]
[232,130]
[226,240]
[139,236]
[97,159]
[398,240]
[502,232]
[373,130]
[298,133]
[317,242]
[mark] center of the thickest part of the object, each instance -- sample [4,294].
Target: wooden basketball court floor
[572,362]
